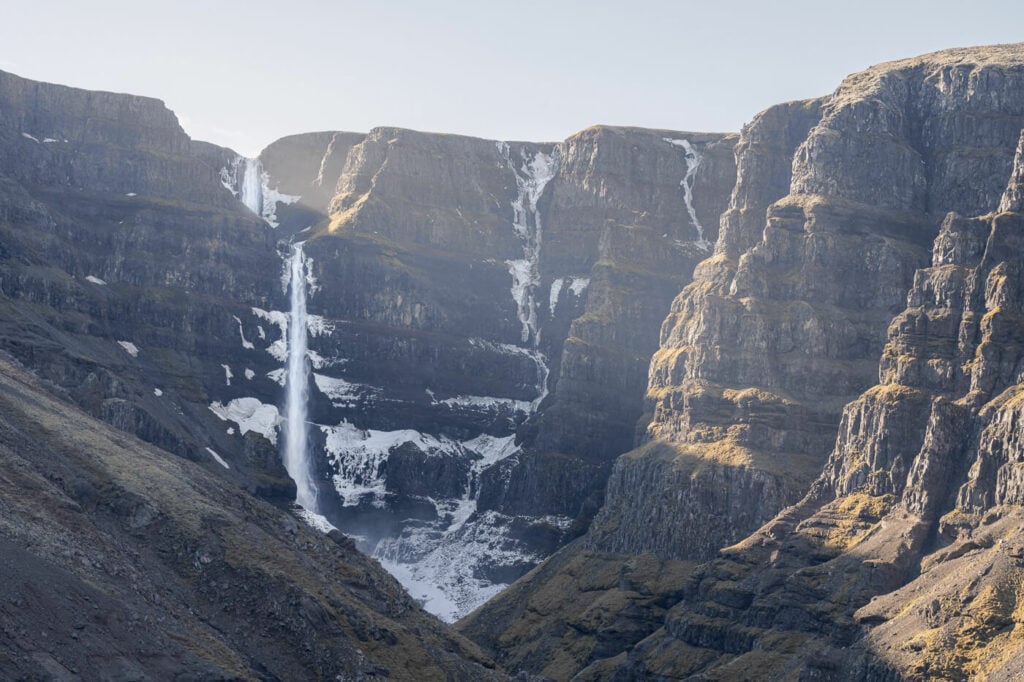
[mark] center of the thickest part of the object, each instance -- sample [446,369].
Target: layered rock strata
[780,328]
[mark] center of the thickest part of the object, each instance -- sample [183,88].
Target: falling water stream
[297,458]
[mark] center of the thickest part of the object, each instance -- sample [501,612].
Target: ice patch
[523,282]
[358,456]
[319,326]
[95,280]
[129,348]
[443,575]
[486,403]
[247,180]
[531,177]
[250,415]
[578,285]
[340,392]
[219,459]
[492,449]
[277,376]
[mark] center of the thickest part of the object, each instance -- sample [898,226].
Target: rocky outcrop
[760,352]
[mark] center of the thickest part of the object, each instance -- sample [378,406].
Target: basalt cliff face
[902,560]
[821,477]
[489,311]
[126,271]
[482,313]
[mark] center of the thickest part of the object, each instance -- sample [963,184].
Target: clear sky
[242,74]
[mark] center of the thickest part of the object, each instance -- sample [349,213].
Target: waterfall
[296,455]
[251,189]
[693,161]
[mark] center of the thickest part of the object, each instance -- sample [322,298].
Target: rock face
[483,312]
[93,185]
[491,308]
[122,561]
[783,325]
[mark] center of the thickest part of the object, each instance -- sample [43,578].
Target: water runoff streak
[297,458]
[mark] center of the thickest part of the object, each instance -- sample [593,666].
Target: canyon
[639,404]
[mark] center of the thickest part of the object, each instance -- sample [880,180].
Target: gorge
[639,404]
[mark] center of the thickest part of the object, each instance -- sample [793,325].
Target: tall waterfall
[296,455]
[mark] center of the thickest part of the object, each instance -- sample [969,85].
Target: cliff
[783,326]
[492,310]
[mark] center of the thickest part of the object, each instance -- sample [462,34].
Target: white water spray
[296,453]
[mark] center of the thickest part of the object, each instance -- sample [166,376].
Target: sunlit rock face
[855,334]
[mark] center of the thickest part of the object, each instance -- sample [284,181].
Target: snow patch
[95,280]
[129,348]
[441,573]
[249,374]
[278,348]
[358,456]
[319,180]
[227,374]
[220,460]
[492,449]
[157,392]
[340,392]
[27,136]
[318,325]
[250,415]
[578,285]
[487,403]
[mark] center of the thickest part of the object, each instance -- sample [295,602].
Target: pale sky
[243,74]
